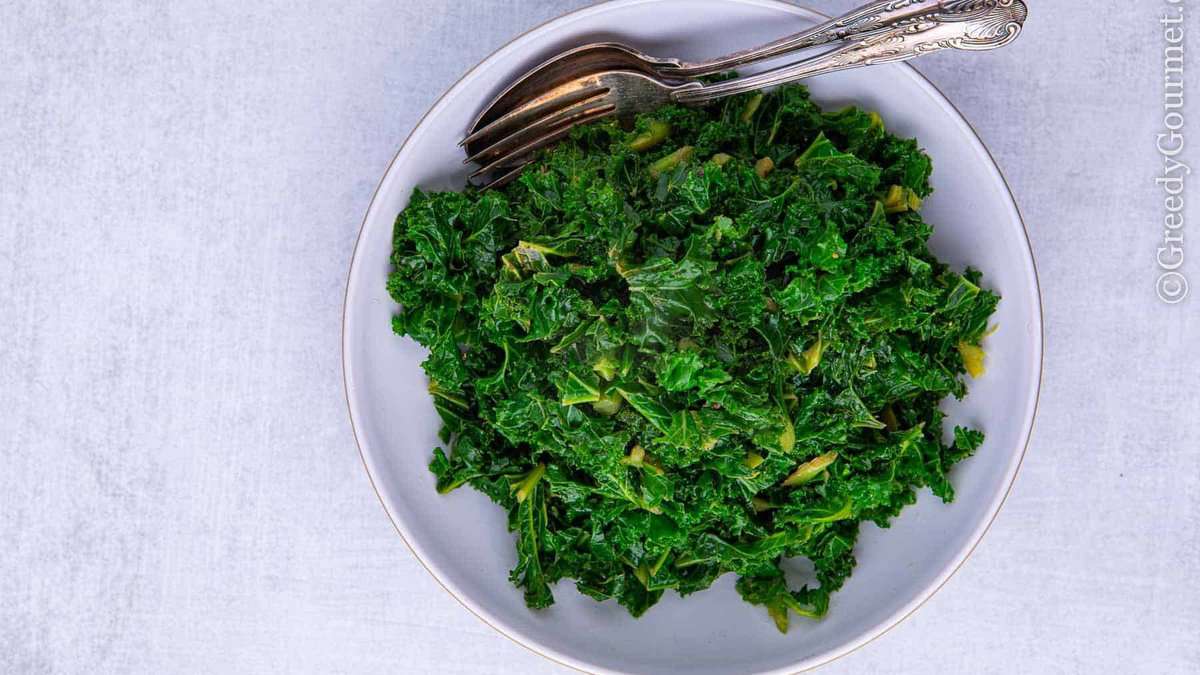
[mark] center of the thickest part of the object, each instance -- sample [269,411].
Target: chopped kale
[693,346]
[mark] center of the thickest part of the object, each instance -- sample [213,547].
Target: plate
[461,537]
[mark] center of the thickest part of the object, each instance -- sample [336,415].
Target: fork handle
[997,26]
[872,17]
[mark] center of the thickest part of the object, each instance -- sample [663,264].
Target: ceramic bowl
[461,537]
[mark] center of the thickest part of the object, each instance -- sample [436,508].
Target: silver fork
[873,17]
[504,145]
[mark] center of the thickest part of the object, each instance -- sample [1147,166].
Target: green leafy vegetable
[694,347]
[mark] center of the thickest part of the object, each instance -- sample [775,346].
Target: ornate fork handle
[963,24]
[875,16]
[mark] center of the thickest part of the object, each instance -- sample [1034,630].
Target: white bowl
[461,537]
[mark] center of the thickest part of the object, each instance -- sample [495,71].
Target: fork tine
[507,177]
[537,108]
[582,110]
[521,155]
[552,134]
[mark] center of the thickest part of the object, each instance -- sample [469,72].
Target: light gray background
[180,189]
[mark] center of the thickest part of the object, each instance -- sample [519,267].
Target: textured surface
[180,191]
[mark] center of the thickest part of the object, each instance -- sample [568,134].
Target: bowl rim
[864,638]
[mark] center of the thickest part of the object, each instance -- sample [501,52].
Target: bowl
[461,537]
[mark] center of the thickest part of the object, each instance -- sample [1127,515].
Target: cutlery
[603,85]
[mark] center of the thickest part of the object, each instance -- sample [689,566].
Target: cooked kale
[698,345]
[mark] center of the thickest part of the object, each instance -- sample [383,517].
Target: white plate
[461,537]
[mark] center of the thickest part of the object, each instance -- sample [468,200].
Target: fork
[503,146]
[873,17]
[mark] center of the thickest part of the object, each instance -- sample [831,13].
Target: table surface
[180,190]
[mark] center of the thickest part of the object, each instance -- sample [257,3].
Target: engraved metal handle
[869,18]
[962,24]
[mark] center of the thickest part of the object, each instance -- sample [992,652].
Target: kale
[699,344]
